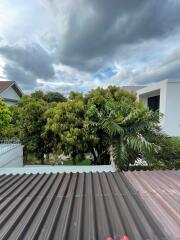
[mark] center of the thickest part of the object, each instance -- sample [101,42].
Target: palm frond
[112,128]
[140,144]
[120,156]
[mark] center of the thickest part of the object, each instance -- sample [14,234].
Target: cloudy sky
[78,45]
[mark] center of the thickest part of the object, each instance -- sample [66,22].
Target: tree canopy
[30,123]
[98,123]
[5,118]
[49,97]
[102,118]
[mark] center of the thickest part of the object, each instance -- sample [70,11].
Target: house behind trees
[10,92]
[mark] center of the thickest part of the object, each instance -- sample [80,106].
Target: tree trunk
[73,155]
[25,154]
[105,158]
[42,160]
[94,162]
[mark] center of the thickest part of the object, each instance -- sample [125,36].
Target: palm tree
[132,130]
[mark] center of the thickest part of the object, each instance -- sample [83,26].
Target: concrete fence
[11,154]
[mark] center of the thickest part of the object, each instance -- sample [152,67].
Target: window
[153,103]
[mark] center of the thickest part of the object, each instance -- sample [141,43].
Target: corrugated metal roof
[82,206]
[160,190]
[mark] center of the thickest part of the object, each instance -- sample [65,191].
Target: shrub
[168,157]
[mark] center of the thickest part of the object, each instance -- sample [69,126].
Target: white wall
[144,97]
[169,103]
[12,157]
[171,122]
[10,93]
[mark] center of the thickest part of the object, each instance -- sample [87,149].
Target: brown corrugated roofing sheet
[160,190]
[81,206]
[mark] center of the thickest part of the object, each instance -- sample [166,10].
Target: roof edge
[15,87]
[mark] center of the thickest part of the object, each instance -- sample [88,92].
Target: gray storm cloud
[96,30]
[167,68]
[32,58]
[15,73]
[81,38]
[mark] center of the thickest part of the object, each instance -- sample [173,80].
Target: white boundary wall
[12,157]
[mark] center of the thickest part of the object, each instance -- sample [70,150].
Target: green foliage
[49,97]
[66,122]
[54,97]
[168,155]
[98,103]
[38,95]
[29,122]
[75,95]
[115,118]
[88,123]
[129,125]
[5,119]
[102,118]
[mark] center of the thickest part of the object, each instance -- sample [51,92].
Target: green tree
[38,95]
[54,97]
[66,122]
[28,118]
[132,129]
[168,155]
[50,97]
[5,118]
[96,113]
[29,123]
[95,122]
[104,118]
[75,95]
[77,124]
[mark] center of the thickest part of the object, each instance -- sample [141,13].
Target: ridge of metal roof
[92,206]
[34,169]
[160,191]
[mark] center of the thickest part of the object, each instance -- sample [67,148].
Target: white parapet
[11,155]
[168,92]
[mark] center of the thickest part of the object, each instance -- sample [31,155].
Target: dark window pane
[153,103]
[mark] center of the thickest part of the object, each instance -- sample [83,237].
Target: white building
[165,97]
[11,155]
[10,92]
